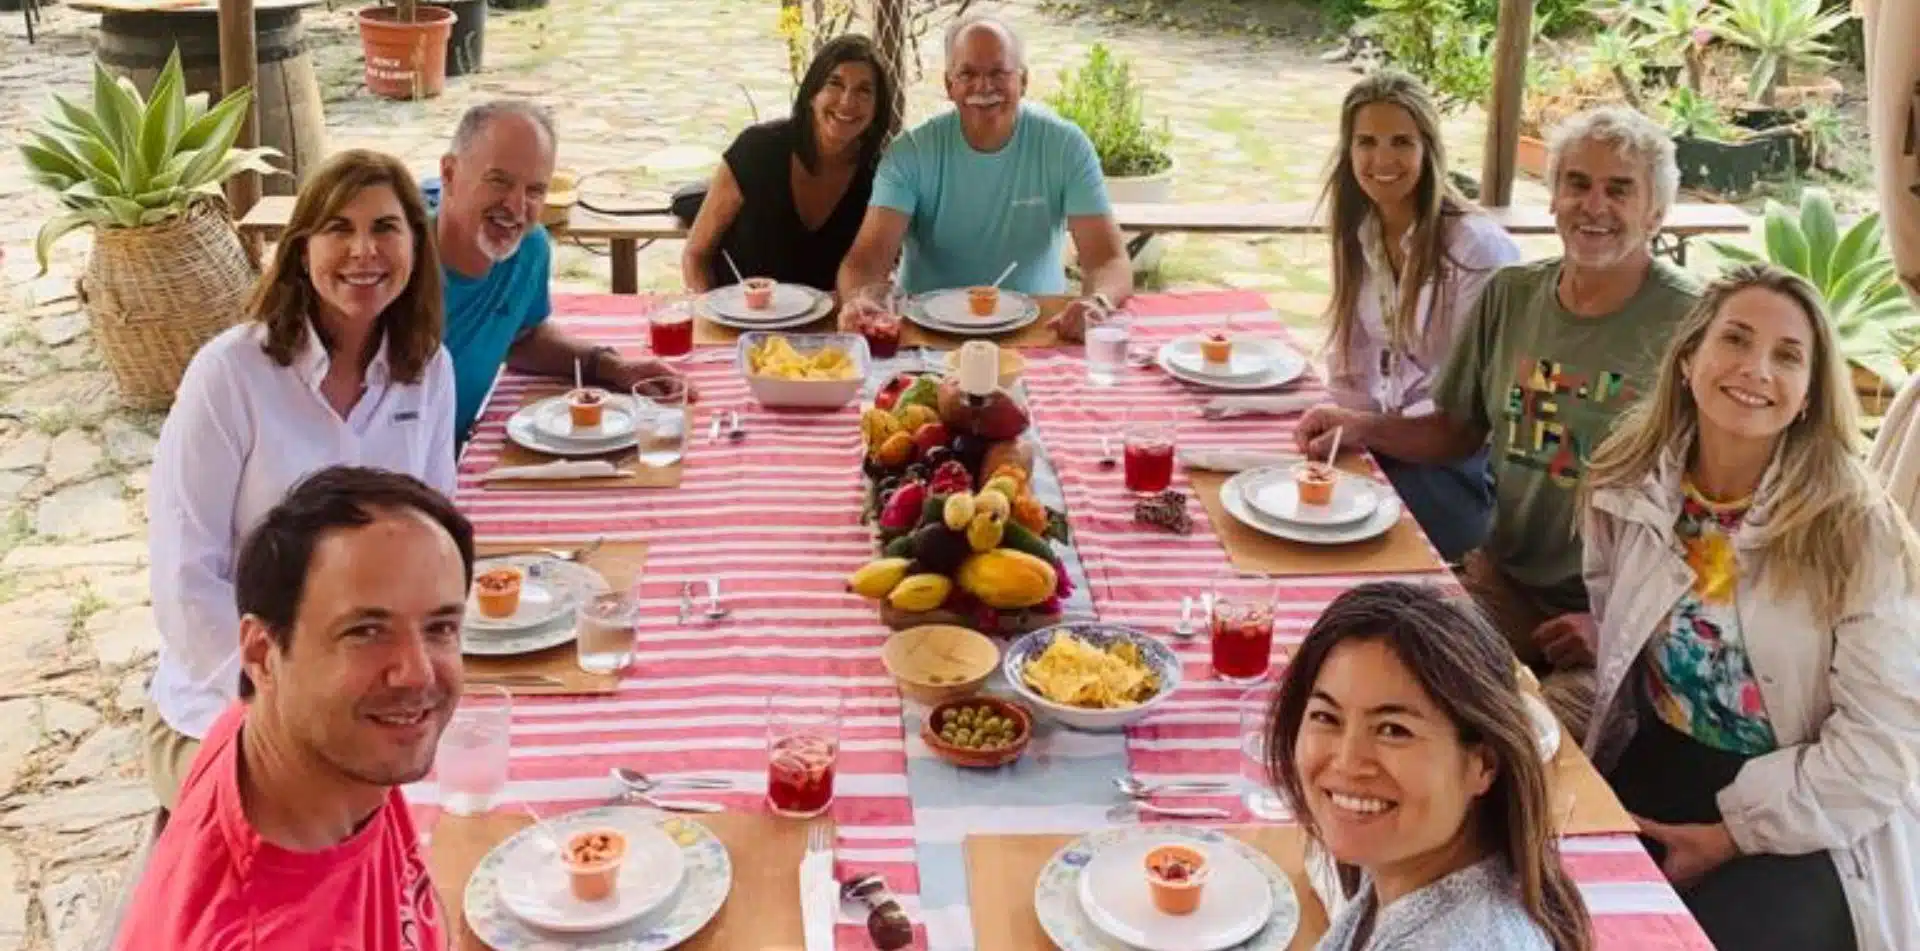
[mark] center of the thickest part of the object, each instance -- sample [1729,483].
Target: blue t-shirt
[486,314]
[974,212]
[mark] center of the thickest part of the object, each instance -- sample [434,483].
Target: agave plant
[1878,326]
[1781,33]
[129,162]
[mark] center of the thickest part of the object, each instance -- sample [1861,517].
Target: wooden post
[890,36]
[238,68]
[1513,33]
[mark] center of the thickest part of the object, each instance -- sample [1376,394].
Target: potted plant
[1676,33]
[1103,100]
[1717,155]
[1782,34]
[1878,326]
[167,271]
[405,48]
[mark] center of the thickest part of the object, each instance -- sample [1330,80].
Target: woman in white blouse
[339,362]
[1410,258]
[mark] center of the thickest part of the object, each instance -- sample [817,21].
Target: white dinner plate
[789,301]
[1276,494]
[705,880]
[538,892]
[1235,902]
[1233,499]
[1058,899]
[1284,366]
[524,427]
[822,306]
[554,420]
[948,312]
[1250,357]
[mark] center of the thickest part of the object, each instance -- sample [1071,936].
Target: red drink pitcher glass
[803,746]
[670,330]
[883,304]
[1240,626]
[1148,459]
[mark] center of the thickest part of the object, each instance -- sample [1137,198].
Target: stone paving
[1253,121]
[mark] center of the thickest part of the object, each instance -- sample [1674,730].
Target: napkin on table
[1234,460]
[1222,407]
[558,469]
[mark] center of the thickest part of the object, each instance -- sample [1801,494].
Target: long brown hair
[1436,204]
[1469,672]
[1823,502]
[284,298]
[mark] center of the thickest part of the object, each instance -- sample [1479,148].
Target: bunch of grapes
[1167,511]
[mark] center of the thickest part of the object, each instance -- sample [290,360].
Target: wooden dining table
[775,517]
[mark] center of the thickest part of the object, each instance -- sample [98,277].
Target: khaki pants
[168,755]
[1515,611]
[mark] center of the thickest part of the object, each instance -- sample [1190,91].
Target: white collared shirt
[242,431]
[1476,247]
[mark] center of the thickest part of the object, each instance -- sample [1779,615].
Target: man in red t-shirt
[290,830]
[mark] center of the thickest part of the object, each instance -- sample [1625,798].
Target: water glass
[603,632]
[803,746]
[470,764]
[1107,345]
[660,423]
[670,329]
[1256,787]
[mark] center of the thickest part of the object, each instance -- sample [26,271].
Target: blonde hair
[285,300]
[1436,204]
[1823,502]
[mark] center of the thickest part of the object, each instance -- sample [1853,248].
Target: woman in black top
[789,195]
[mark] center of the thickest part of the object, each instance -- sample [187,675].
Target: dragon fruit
[951,477]
[902,511]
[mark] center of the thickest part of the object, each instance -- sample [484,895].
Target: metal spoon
[686,601]
[735,431]
[714,611]
[1106,453]
[1185,629]
[1130,810]
[1134,788]
[637,781]
[680,805]
[713,432]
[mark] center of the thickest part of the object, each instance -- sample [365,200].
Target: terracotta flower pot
[406,60]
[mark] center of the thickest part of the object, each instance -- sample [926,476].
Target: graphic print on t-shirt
[1548,407]
[419,907]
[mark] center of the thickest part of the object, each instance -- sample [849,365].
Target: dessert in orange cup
[585,406]
[593,862]
[1175,875]
[759,292]
[1216,347]
[1315,480]
[983,301]
[498,592]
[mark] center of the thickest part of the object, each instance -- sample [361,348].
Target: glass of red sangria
[670,329]
[803,746]
[878,317]
[1148,460]
[1240,626]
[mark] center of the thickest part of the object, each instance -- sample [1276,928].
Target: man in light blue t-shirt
[497,262]
[992,183]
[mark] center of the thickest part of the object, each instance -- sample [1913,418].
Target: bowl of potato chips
[1091,676]
[803,371]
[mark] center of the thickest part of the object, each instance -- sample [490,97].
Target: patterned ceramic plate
[708,879]
[1155,654]
[566,586]
[1056,897]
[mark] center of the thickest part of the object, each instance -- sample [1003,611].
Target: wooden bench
[624,233]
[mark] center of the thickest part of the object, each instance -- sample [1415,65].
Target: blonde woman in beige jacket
[1757,701]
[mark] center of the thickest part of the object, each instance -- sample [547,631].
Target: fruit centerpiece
[961,537]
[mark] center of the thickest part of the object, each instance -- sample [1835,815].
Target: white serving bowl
[806,394]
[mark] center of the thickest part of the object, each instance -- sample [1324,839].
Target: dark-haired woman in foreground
[789,195]
[1399,737]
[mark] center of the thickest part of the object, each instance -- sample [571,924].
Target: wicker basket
[156,294]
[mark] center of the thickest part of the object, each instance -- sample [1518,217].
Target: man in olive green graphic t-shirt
[1554,351]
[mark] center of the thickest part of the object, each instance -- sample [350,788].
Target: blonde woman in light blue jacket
[1757,703]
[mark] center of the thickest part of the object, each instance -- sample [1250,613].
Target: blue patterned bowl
[1158,656]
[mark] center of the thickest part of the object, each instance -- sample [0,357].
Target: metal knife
[1235,460]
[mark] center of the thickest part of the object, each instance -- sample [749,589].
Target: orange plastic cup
[759,292]
[586,406]
[593,862]
[498,592]
[1315,480]
[983,301]
[1215,347]
[1175,875]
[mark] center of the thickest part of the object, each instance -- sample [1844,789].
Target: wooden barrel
[136,45]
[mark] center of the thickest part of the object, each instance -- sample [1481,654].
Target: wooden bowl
[940,662]
[979,759]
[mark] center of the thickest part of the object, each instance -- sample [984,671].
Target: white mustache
[984,101]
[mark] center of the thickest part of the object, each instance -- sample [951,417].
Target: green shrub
[1103,100]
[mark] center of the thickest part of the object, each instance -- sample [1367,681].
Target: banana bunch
[887,579]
